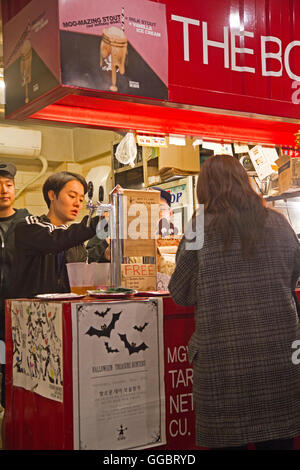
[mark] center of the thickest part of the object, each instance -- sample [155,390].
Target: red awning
[124,115]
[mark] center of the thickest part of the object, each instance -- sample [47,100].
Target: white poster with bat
[118,375]
[37,348]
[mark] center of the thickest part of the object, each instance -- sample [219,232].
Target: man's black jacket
[41,253]
[7,247]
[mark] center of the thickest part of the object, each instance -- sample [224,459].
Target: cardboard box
[288,174]
[184,158]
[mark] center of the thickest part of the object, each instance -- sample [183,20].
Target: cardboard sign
[140,217]
[139,276]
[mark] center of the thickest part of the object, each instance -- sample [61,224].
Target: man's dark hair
[57,181]
[8,170]
[164,195]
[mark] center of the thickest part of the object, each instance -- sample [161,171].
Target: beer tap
[102,208]
[98,206]
[92,207]
[113,228]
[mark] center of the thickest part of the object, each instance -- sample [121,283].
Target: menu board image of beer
[115,46]
[31,67]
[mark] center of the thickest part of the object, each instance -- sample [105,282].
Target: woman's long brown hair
[224,189]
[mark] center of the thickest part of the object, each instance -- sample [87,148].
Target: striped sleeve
[34,235]
[42,223]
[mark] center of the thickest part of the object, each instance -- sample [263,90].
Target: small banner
[37,348]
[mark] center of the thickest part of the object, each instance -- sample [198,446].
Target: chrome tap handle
[92,210]
[101,194]
[90,203]
[90,190]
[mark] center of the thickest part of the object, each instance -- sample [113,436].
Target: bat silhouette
[140,328]
[105,330]
[109,349]
[102,314]
[132,347]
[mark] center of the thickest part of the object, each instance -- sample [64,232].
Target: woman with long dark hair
[246,383]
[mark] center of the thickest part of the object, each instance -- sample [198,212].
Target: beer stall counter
[64,386]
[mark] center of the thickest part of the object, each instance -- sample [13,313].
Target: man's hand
[107,250]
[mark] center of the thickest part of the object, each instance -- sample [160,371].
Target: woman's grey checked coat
[246,386]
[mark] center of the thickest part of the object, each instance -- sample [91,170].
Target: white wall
[65,148]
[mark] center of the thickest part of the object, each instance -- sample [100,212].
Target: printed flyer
[115,46]
[37,348]
[118,375]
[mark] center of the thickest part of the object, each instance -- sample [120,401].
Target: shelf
[282,196]
[174,178]
[146,167]
[128,167]
[152,159]
[130,179]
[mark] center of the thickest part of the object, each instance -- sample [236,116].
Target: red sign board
[235,54]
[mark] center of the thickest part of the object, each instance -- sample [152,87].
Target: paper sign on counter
[139,276]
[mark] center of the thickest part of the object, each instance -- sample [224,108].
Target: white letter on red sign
[240,50]
[287,61]
[186,22]
[223,45]
[270,55]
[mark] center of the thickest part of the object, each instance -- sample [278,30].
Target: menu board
[115,46]
[140,217]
